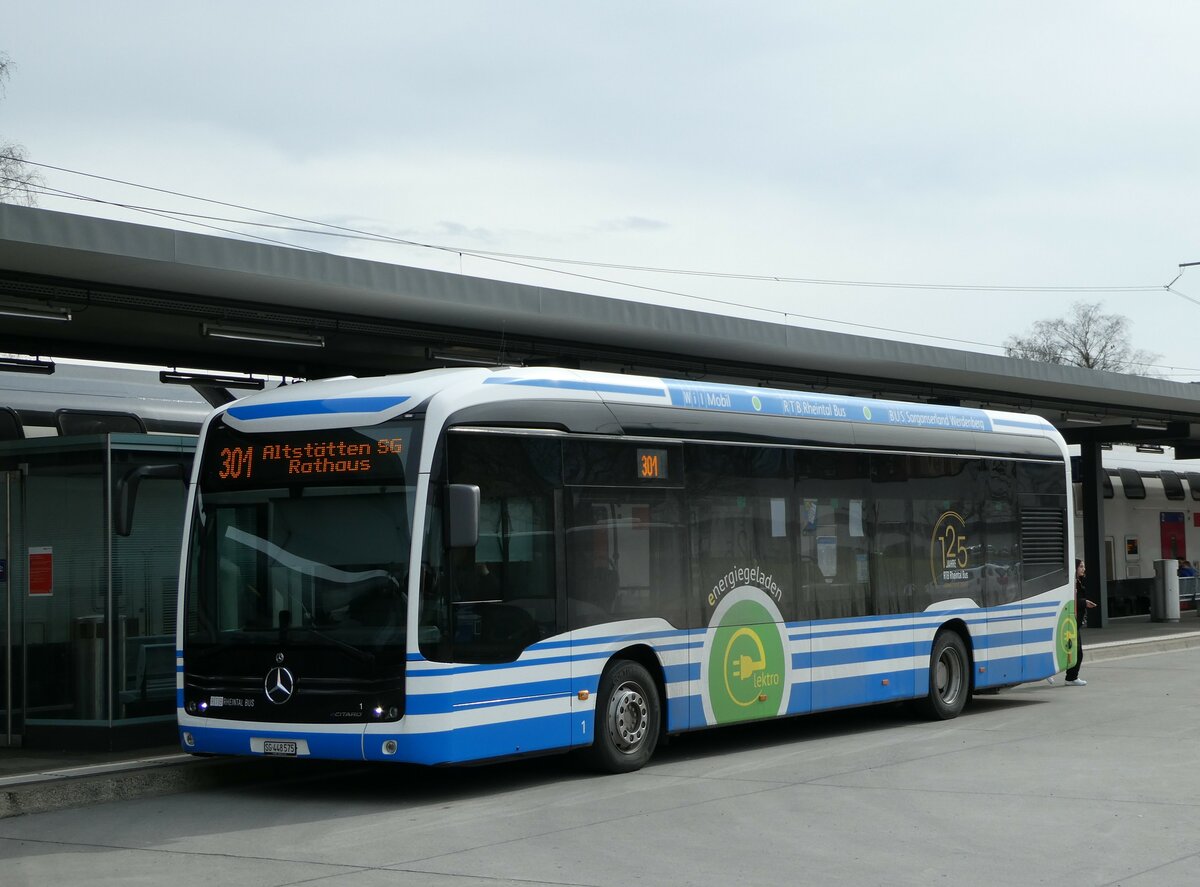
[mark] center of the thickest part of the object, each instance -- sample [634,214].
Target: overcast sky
[1015,144]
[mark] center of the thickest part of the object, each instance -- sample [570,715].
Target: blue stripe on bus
[626,639]
[1014,638]
[998,620]
[481,742]
[564,730]
[464,669]
[851,629]
[809,405]
[820,632]
[997,639]
[323,406]
[675,674]
[573,385]
[1009,423]
[679,713]
[1038,666]
[461,669]
[800,699]
[484,697]
[850,655]
[864,689]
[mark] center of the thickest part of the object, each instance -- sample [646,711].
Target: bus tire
[949,677]
[628,719]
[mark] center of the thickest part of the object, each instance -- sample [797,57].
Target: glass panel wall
[12,600]
[145,578]
[93,611]
[65,629]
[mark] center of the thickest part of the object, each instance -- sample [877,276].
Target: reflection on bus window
[501,596]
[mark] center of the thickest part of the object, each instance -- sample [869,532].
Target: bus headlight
[389,746]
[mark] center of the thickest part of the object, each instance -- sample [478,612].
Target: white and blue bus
[472,564]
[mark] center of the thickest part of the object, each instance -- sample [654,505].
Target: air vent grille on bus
[1043,536]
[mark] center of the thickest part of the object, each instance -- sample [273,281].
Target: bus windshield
[301,540]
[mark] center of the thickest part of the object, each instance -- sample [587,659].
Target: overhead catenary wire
[650,269]
[172,215]
[191,217]
[525,261]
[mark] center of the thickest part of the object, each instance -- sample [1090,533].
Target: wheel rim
[628,718]
[949,675]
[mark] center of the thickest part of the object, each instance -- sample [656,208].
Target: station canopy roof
[80,287]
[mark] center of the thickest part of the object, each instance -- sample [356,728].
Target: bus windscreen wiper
[358,653]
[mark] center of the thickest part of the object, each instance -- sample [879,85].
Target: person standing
[1082,604]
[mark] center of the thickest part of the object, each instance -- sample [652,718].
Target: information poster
[41,571]
[827,552]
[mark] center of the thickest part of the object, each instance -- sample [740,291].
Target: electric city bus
[473,564]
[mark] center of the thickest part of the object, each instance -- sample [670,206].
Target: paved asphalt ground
[1044,784]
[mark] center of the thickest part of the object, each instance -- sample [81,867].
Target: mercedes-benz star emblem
[279,685]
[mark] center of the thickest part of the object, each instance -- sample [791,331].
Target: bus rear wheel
[949,677]
[628,718]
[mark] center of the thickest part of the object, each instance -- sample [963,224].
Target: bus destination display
[651,464]
[254,460]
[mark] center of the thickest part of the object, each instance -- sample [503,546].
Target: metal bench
[154,677]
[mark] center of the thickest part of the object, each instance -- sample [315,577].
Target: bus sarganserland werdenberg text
[472,564]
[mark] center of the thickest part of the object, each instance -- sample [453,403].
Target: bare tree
[1086,337]
[18,180]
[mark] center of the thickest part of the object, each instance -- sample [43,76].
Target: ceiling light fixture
[1082,420]
[34,311]
[1147,425]
[172,377]
[25,365]
[478,360]
[262,335]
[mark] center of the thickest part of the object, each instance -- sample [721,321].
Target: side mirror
[462,515]
[127,488]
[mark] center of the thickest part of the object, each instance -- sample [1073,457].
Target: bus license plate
[279,747]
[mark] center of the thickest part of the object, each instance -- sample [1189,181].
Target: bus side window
[742,523]
[434,613]
[835,561]
[501,595]
[625,556]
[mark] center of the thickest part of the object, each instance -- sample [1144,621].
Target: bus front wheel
[949,677]
[627,719]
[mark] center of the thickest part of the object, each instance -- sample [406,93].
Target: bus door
[1046,579]
[502,608]
[994,550]
[892,590]
[626,575]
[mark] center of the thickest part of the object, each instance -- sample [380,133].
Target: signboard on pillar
[41,571]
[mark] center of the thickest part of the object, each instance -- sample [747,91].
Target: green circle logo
[1066,647]
[756,403]
[867,413]
[747,666]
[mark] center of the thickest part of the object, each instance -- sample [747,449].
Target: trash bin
[1164,602]
[89,639]
[87,651]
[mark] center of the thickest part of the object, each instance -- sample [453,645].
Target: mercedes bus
[472,564]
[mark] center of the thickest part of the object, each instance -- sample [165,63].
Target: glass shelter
[88,588]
